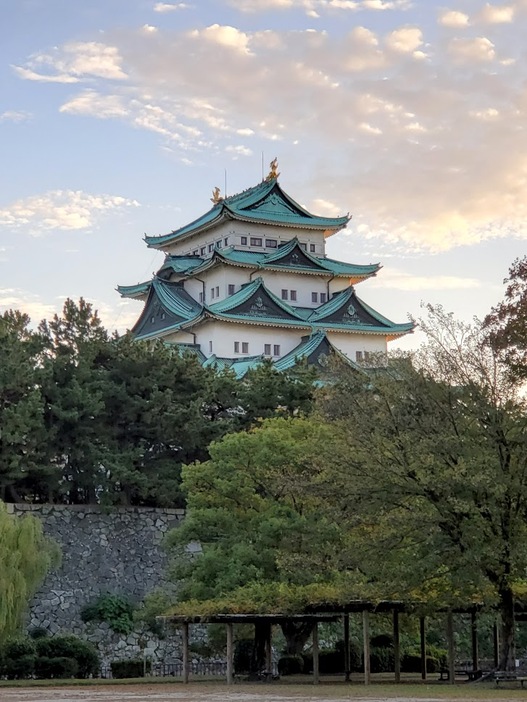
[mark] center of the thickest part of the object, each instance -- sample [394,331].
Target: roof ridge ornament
[216,197]
[273,170]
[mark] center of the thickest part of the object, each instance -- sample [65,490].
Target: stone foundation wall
[114,550]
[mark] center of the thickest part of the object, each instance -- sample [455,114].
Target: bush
[18,668]
[130,668]
[290,665]
[411,663]
[60,667]
[115,610]
[69,646]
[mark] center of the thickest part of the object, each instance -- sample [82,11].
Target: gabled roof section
[257,304]
[167,308]
[239,366]
[347,311]
[184,265]
[289,256]
[314,350]
[134,291]
[265,203]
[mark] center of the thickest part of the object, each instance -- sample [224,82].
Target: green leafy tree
[434,484]
[506,324]
[25,557]
[73,384]
[21,408]
[252,510]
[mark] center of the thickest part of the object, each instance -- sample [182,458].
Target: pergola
[341,613]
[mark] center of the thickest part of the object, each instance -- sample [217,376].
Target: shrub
[18,668]
[411,663]
[38,633]
[115,610]
[59,667]
[290,665]
[382,660]
[69,646]
[130,668]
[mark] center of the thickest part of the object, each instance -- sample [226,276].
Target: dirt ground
[243,693]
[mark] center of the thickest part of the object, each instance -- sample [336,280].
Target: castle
[250,279]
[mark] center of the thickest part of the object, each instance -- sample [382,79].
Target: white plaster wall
[179,337]
[304,284]
[233,230]
[224,334]
[349,344]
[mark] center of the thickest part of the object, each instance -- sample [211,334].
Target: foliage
[435,473]
[91,418]
[290,665]
[506,324]
[131,668]
[115,610]
[69,646]
[26,555]
[58,667]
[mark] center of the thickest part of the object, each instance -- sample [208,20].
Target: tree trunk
[507,638]
[296,636]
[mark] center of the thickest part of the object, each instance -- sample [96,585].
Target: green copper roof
[312,349]
[239,366]
[167,309]
[289,256]
[265,203]
[134,290]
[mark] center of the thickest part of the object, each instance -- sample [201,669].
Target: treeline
[88,417]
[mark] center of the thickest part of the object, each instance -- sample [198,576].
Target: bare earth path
[244,693]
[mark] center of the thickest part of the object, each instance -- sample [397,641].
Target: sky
[119,117]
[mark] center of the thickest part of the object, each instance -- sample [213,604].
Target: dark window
[312,248]
[231,289]
[212,293]
[236,347]
[276,350]
[293,295]
[226,241]
[203,250]
[271,243]
[256,241]
[210,346]
[217,290]
[211,247]
[314,297]
[245,347]
[303,246]
[219,244]
[367,356]
[243,240]
[358,356]
[200,297]
[152,320]
[322,298]
[285,295]
[195,253]
[267,349]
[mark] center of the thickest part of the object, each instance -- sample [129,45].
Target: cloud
[15,116]
[314,8]
[171,6]
[395,279]
[496,14]
[453,18]
[67,210]
[27,303]
[72,62]
[427,154]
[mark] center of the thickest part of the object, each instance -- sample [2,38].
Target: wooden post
[186,656]
[396,646]
[422,639]
[474,636]
[451,651]
[230,654]
[347,666]
[269,649]
[366,645]
[496,637]
[316,666]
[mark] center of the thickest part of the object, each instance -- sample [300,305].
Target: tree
[433,485]
[25,557]
[506,324]
[252,509]
[21,408]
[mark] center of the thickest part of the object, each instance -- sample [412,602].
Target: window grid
[312,248]
[267,349]
[323,298]
[256,241]
[276,349]
[231,288]
[314,297]
[245,347]
[243,240]
[292,295]
[271,243]
[236,347]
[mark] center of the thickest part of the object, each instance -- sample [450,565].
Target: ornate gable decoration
[260,305]
[296,257]
[351,312]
